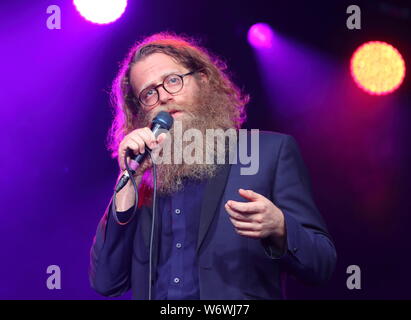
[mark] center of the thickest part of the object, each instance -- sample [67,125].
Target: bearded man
[220,234]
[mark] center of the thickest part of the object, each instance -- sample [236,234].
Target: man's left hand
[258,218]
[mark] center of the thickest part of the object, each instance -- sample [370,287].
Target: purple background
[57,176]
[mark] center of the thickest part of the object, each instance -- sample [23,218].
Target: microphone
[162,121]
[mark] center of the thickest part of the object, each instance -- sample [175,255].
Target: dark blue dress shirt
[177,272]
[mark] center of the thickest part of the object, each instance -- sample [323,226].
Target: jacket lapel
[212,196]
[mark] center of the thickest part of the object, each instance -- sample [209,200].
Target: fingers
[246,207]
[136,141]
[245,226]
[247,217]
[237,215]
[148,136]
[133,144]
[250,194]
[161,138]
[248,226]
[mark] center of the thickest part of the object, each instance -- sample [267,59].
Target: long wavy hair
[188,53]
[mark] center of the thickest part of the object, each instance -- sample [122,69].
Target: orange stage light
[377,68]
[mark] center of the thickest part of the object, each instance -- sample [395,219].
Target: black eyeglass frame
[181,76]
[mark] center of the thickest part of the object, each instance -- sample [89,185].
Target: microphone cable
[154,209]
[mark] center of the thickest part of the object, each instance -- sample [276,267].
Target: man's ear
[203,77]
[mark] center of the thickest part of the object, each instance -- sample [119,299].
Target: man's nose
[163,96]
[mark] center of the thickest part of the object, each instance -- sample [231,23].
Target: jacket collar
[212,196]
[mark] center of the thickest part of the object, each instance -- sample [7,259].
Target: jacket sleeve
[309,253]
[111,252]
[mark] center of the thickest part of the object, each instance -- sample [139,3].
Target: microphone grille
[164,119]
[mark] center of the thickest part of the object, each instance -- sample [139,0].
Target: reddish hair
[185,51]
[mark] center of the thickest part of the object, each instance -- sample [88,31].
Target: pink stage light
[261,36]
[100,11]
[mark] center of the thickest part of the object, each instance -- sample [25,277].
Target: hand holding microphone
[137,141]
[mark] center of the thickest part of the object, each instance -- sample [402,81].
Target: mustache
[170,109]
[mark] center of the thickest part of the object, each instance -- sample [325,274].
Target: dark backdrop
[57,175]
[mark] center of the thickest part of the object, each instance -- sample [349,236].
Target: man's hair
[188,53]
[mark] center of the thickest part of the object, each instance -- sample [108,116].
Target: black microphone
[162,121]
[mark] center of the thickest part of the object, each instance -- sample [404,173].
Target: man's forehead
[152,69]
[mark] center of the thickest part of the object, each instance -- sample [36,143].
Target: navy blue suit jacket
[230,266]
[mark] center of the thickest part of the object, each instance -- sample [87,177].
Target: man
[220,234]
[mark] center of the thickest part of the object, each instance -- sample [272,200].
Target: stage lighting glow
[100,11]
[261,36]
[377,68]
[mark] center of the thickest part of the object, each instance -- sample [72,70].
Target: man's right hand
[137,140]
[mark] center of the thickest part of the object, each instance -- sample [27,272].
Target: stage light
[261,36]
[377,68]
[100,11]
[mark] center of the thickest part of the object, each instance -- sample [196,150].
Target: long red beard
[208,112]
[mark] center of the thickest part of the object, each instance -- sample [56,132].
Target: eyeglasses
[173,83]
